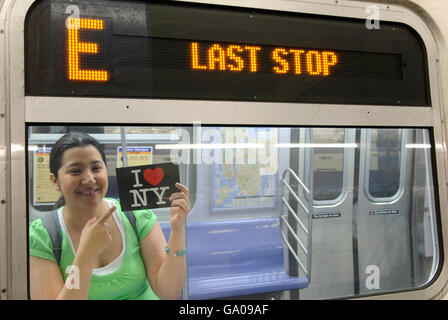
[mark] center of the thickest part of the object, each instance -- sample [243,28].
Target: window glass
[385,158]
[247,189]
[328,163]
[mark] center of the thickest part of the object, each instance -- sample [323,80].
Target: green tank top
[127,281]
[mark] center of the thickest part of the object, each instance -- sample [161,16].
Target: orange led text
[75,48]
[238,58]
[226,58]
[312,62]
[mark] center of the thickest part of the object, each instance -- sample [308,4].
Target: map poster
[44,192]
[137,156]
[249,183]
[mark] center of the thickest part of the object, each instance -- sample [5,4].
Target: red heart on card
[153,176]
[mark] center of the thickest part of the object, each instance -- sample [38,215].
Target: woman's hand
[95,236]
[180,206]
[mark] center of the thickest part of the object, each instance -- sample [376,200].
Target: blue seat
[238,257]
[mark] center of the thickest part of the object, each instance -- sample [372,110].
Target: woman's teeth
[89,192]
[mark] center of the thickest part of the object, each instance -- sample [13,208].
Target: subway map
[248,183]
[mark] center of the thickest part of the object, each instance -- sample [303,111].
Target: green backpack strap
[131,217]
[51,222]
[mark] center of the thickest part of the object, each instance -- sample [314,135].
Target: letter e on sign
[75,47]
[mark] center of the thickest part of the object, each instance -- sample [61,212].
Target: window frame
[25,110]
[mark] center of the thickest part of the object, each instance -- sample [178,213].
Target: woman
[102,256]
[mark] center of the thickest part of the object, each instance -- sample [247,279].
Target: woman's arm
[47,284]
[166,271]
[45,279]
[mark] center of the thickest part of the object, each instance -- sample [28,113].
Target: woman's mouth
[89,192]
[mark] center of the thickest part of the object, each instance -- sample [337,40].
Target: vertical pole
[124,151]
[310,213]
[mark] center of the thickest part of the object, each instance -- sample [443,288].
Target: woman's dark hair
[68,141]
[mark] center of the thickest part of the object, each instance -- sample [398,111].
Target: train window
[328,164]
[384,157]
[285,204]
[246,183]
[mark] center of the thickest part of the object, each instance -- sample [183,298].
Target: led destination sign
[230,55]
[235,58]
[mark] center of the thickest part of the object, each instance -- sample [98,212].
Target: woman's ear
[54,181]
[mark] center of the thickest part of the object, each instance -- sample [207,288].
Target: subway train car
[310,133]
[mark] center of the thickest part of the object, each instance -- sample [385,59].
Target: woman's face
[82,177]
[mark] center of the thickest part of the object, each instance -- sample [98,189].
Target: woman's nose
[88,178]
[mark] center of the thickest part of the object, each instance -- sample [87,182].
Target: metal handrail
[297,179]
[306,229]
[294,235]
[296,196]
[291,210]
[294,254]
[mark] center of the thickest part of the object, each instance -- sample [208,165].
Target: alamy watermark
[73,278]
[225,146]
[373,17]
[74,13]
[373,280]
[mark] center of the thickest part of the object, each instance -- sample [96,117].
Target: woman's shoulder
[37,228]
[40,241]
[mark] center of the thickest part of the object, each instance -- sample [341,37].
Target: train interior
[282,212]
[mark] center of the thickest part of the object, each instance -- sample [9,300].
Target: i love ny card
[147,187]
